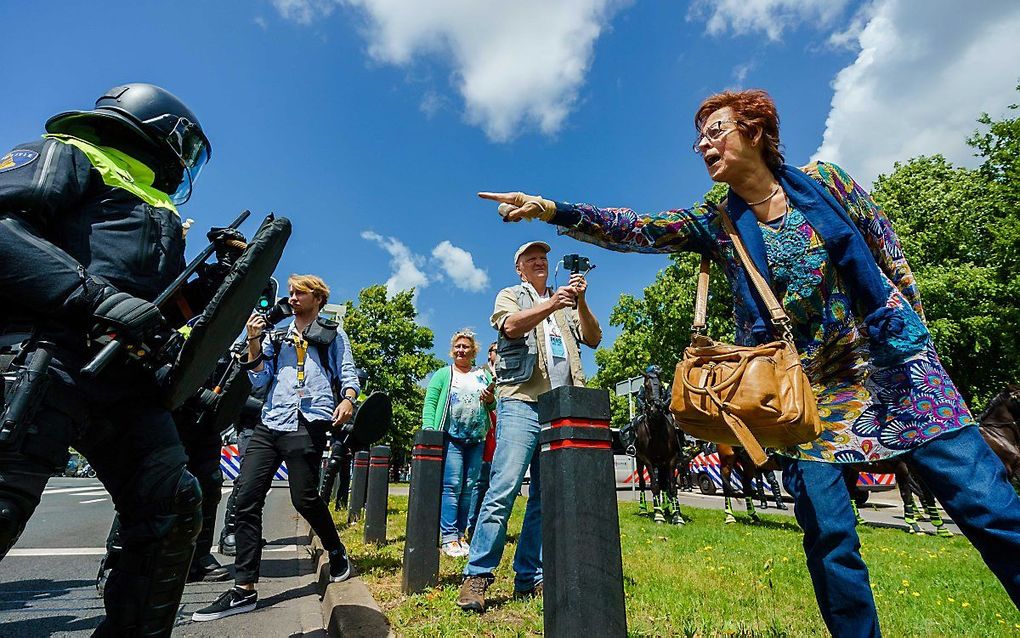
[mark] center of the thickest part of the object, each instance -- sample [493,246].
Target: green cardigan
[437,401]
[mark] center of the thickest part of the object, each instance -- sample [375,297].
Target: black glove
[130,316]
[229,243]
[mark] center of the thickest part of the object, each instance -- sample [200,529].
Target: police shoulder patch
[16,159]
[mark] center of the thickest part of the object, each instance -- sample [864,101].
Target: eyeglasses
[713,133]
[491,350]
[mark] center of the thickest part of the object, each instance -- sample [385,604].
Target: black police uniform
[64,233]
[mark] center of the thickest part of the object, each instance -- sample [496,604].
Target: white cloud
[770,17]
[304,11]
[459,265]
[923,75]
[518,65]
[405,265]
[259,20]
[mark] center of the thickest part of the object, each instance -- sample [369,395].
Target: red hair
[756,115]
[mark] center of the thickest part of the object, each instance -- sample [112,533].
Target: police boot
[207,569]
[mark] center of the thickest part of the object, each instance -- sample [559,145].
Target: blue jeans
[462,461]
[480,490]
[965,476]
[517,448]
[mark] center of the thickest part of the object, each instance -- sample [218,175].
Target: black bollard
[421,547]
[378,495]
[359,485]
[582,561]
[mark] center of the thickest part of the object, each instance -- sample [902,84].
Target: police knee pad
[12,522]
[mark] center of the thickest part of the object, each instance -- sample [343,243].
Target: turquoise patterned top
[872,408]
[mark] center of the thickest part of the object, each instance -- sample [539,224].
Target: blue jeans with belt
[462,461]
[964,475]
[517,449]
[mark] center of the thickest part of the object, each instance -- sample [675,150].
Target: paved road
[47,582]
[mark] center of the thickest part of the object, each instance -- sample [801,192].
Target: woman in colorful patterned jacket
[458,401]
[832,258]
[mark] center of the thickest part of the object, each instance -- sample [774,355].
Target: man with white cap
[539,332]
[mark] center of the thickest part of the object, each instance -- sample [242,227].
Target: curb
[348,608]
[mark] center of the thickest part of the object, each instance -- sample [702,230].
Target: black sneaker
[340,567]
[233,601]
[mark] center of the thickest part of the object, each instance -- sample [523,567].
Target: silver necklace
[770,196]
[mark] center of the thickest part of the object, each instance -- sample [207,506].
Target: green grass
[707,579]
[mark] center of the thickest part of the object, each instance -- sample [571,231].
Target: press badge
[556,344]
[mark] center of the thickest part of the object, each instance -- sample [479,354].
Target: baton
[111,349]
[23,403]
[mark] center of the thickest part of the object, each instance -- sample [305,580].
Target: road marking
[101,551]
[59,551]
[95,500]
[69,490]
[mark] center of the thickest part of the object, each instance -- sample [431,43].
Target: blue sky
[372,123]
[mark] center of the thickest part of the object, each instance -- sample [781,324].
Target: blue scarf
[849,253]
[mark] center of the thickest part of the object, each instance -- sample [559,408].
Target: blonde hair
[312,284]
[465,333]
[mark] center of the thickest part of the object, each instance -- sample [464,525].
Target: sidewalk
[288,593]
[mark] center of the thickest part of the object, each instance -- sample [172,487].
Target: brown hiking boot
[472,593]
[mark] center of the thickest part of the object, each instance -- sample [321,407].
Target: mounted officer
[89,235]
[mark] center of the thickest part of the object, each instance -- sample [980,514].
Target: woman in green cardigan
[457,401]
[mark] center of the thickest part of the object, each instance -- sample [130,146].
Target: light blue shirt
[315,399]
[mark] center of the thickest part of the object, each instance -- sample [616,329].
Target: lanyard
[301,348]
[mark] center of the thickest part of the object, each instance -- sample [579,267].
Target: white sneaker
[465,547]
[451,549]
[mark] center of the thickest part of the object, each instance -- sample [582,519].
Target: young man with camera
[303,366]
[539,332]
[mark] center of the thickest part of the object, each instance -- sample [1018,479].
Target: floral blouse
[869,411]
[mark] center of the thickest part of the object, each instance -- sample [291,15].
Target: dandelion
[965,604]
[906,583]
[916,593]
[900,592]
[952,600]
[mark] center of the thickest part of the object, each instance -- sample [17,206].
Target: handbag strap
[778,316]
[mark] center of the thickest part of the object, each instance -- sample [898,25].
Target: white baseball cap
[520,251]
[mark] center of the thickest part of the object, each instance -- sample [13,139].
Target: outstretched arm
[620,229]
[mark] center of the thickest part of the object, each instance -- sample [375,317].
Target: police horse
[752,480]
[658,446]
[909,485]
[999,424]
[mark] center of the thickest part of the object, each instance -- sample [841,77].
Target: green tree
[394,349]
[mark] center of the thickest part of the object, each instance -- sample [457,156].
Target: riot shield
[225,315]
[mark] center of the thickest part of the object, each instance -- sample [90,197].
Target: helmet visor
[189,143]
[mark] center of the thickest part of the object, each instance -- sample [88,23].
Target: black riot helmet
[150,124]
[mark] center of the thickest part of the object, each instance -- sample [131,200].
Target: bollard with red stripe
[582,562]
[359,485]
[378,497]
[421,547]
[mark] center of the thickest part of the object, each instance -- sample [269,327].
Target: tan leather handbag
[752,396]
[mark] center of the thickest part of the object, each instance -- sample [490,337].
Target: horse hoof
[730,519]
[944,533]
[679,521]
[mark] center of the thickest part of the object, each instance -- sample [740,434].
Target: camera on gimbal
[576,263]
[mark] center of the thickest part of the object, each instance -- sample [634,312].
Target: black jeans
[302,450]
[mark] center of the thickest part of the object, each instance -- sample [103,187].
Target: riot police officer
[89,233]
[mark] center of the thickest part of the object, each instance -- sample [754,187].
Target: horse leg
[776,490]
[932,508]
[909,517]
[674,499]
[642,502]
[657,515]
[727,472]
[749,495]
